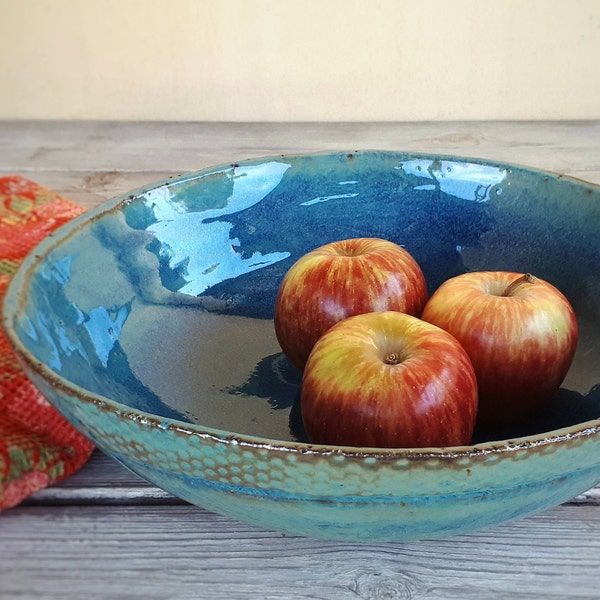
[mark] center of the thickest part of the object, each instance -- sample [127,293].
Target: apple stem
[391,358]
[518,282]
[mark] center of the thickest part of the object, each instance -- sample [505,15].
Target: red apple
[342,279]
[387,379]
[520,333]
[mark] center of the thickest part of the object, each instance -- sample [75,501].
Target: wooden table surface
[106,534]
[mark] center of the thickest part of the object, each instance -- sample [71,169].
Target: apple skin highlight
[520,333]
[339,280]
[388,380]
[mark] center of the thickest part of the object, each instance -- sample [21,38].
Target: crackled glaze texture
[148,323]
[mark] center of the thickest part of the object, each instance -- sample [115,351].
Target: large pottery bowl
[148,322]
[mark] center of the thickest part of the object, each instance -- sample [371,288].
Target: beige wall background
[274,60]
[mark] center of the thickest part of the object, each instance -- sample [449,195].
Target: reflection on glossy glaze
[104,326]
[162,301]
[174,220]
[83,346]
[468,181]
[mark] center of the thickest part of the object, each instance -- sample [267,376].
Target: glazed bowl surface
[148,322]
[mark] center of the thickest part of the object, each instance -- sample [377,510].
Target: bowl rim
[19,283]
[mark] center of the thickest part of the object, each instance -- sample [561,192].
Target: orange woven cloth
[38,447]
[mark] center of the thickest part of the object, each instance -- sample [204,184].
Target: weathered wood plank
[183,552]
[172,147]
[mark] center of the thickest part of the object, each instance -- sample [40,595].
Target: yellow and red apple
[339,280]
[519,331]
[387,379]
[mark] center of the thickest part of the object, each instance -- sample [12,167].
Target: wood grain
[106,533]
[159,552]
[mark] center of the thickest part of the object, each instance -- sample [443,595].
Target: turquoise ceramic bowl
[148,323]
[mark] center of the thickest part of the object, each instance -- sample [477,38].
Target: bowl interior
[163,300]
